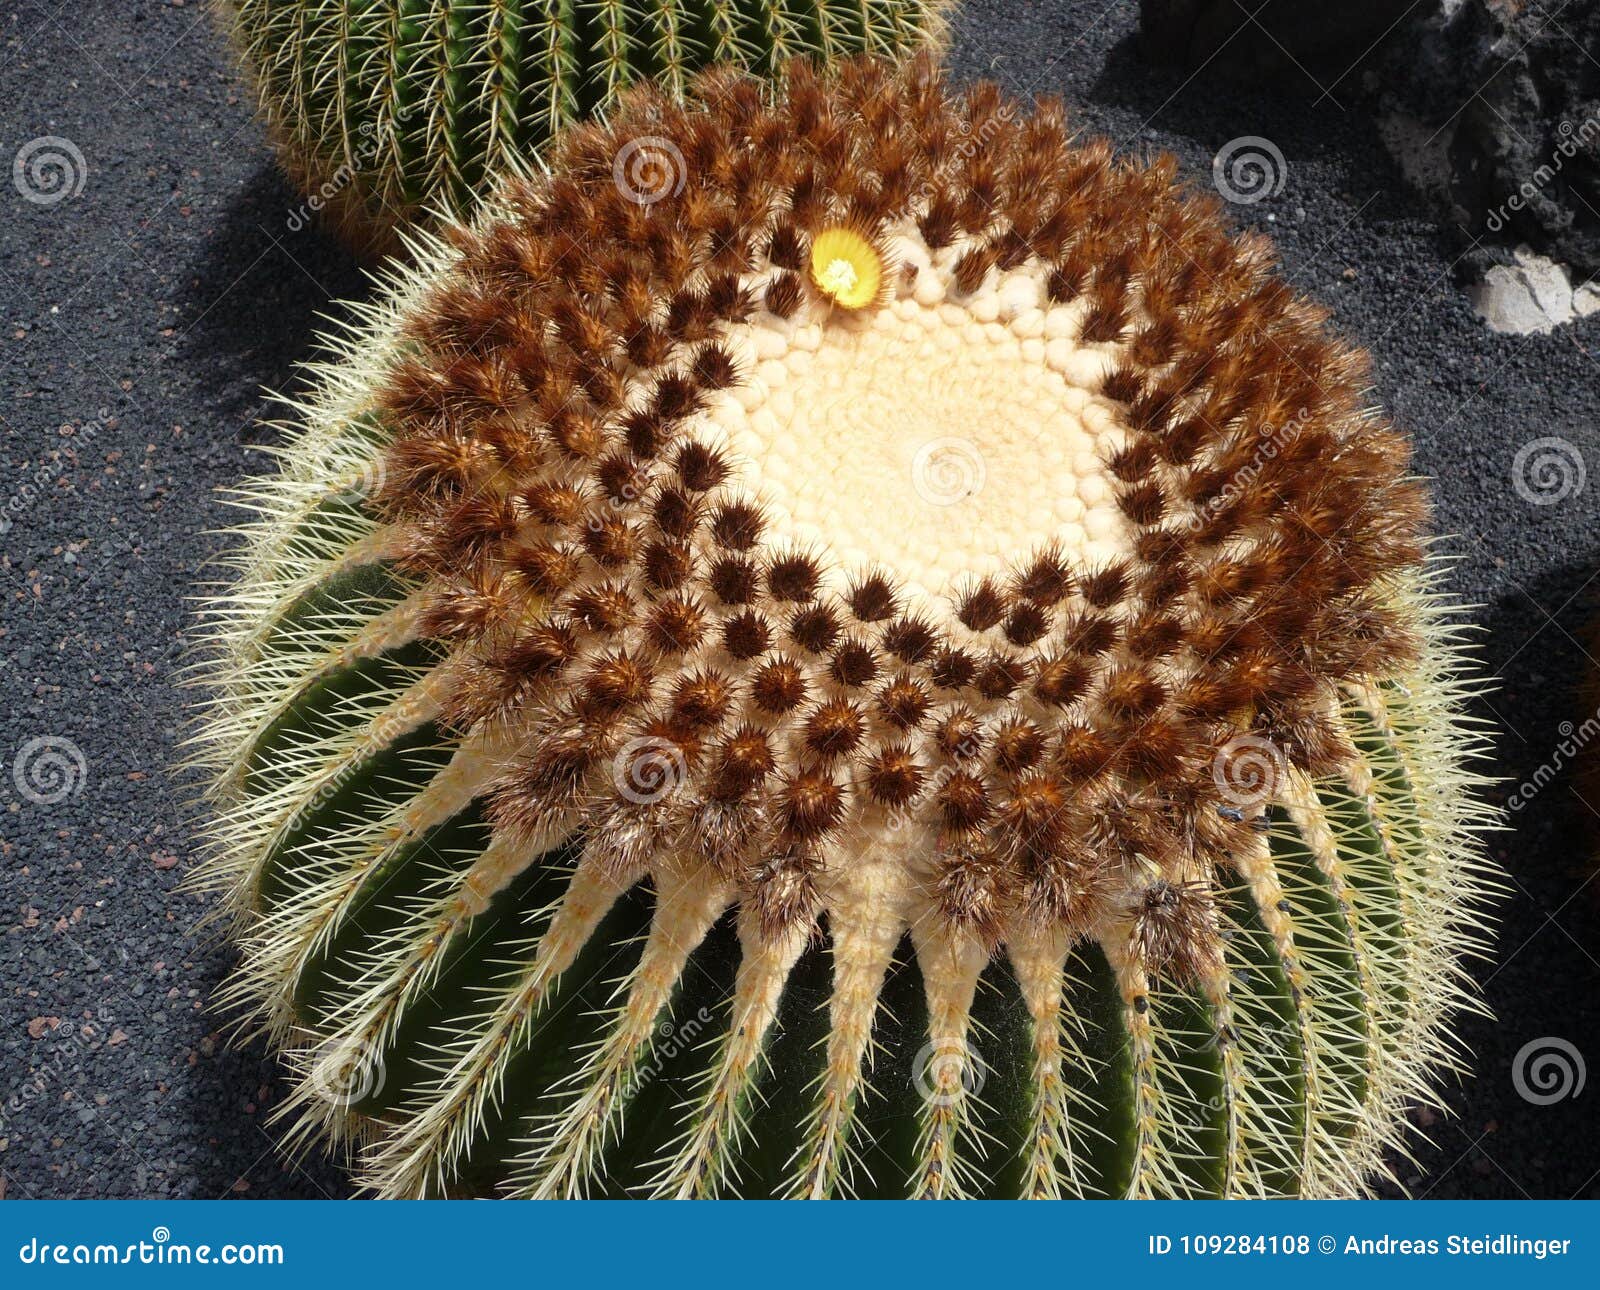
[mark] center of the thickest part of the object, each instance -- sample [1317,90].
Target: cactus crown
[389,108]
[910,526]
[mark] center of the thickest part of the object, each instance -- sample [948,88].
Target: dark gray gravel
[141,319]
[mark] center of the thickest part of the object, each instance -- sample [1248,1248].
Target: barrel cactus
[386,110]
[900,664]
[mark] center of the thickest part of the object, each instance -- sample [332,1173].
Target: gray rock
[1531,294]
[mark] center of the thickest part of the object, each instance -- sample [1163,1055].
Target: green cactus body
[385,109]
[483,995]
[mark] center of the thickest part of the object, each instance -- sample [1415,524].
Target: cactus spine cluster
[902,665]
[386,110]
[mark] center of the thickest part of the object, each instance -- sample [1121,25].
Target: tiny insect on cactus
[388,111]
[903,667]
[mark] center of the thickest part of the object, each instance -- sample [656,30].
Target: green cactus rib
[551,1035]
[384,108]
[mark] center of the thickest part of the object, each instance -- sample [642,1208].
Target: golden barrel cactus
[894,661]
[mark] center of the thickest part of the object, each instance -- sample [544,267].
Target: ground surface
[141,318]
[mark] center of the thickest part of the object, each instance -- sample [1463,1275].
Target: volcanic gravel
[144,314]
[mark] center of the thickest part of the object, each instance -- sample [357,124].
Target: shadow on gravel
[253,302]
[228,1103]
[1524,1127]
[1219,111]
[1213,104]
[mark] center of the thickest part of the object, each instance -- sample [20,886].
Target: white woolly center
[839,277]
[940,436]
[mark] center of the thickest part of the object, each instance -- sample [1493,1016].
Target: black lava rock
[1525,158]
[1509,88]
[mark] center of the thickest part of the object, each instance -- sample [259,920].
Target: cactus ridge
[386,110]
[488,979]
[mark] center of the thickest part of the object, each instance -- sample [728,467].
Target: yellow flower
[846,268]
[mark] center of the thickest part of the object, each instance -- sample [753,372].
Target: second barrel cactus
[384,110]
